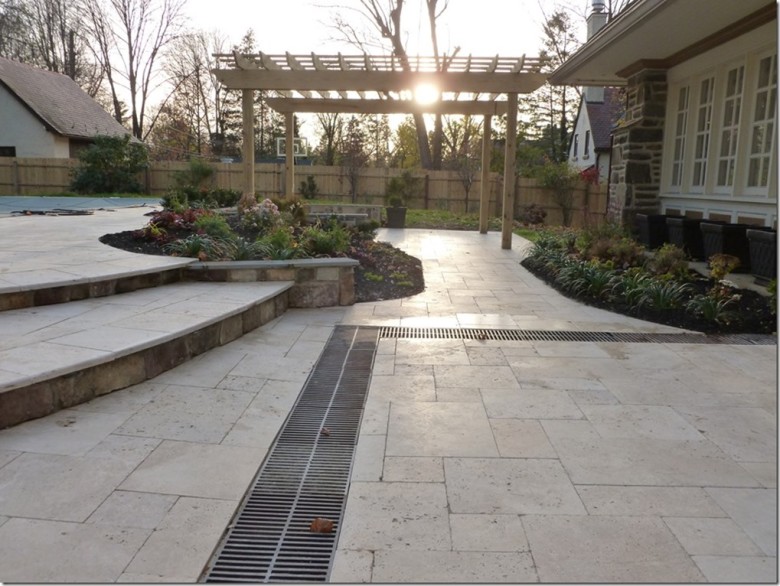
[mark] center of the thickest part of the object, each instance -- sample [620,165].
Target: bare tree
[331,129]
[49,34]
[129,37]
[385,17]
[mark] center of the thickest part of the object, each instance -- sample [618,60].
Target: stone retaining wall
[319,282]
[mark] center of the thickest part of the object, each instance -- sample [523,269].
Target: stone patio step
[36,287]
[56,356]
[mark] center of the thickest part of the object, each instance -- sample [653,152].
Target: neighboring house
[46,114]
[591,140]
[699,134]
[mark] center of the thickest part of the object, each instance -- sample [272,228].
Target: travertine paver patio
[478,461]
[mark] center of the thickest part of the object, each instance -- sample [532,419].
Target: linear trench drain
[305,475]
[571,336]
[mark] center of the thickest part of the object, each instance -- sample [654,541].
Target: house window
[680,129]
[586,152]
[762,127]
[7,151]
[702,138]
[729,134]
[576,145]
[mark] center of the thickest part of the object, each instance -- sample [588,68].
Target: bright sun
[426,93]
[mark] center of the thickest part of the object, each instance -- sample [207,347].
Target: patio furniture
[652,230]
[763,254]
[685,233]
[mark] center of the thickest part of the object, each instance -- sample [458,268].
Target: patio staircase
[64,343]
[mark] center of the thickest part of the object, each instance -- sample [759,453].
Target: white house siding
[20,128]
[702,172]
[578,159]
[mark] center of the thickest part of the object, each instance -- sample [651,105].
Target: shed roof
[58,101]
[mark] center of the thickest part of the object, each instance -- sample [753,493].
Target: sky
[482,28]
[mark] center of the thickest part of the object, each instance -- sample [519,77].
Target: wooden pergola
[370,84]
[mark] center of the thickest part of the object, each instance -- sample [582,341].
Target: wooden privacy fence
[441,190]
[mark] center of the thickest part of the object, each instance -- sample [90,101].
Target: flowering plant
[261,217]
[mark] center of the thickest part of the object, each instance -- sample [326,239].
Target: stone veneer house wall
[699,136]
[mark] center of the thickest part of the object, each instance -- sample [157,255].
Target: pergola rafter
[382,84]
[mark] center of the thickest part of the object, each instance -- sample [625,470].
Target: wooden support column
[289,156]
[248,148]
[484,195]
[509,172]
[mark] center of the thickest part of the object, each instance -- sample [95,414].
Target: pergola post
[248,148]
[484,195]
[289,155]
[509,172]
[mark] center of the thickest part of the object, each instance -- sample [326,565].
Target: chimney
[596,21]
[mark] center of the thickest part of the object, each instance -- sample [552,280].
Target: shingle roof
[603,116]
[58,101]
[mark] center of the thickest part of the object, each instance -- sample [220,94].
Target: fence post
[427,189]
[15,173]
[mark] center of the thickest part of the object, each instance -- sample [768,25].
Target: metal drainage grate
[305,475]
[571,336]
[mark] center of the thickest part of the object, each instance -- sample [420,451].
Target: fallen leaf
[321,525]
[325,431]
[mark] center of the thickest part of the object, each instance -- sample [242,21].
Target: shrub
[198,175]
[630,285]
[772,290]
[532,214]
[215,225]
[366,230]
[110,165]
[309,188]
[722,264]
[561,179]
[669,260]
[279,244]
[240,248]
[292,210]
[660,295]
[401,189]
[200,246]
[325,241]
[261,217]
[713,307]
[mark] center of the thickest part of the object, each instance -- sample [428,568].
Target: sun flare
[426,93]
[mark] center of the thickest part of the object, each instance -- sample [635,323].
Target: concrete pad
[54,551]
[132,450]
[711,536]
[754,510]
[67,432]
[439,429]
[413,469]
[764,472]
[188,414]
[452,567]
[521,438]
[129,399]
[648,462]
[61,488]
[607,549]
[529,403]
[369,455]
[431,352]
[401,388]
[184,541]
[7,456]
[510,486]
[651,501]
[738,569]
[197,470]
[395,515]
[351,567]
[488,533]
[744,433]
[489,356]
[206,370]
[475,377]
[132,509]
[637,421]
